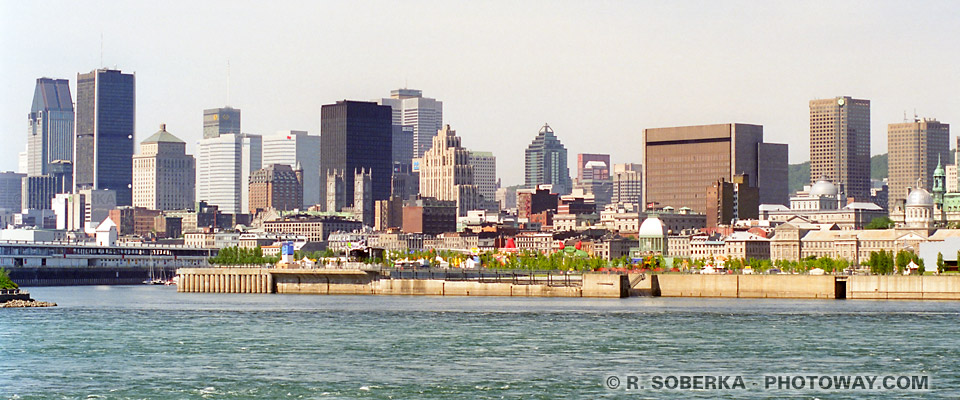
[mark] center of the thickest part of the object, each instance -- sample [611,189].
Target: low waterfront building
[429,216]
[315,228]
[823,204]
[89,254]
[613,248]
[536,241]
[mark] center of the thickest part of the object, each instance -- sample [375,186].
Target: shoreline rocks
[26,303]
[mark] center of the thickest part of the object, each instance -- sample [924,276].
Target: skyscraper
[584,158]
[276,186]
[840,144]
[424,114]
[915,148]
[50,134]
[484,173]
[10,191]
[545,163]
[297,149]
[446,173]
[355,136]
[682,163]
[163,173]
[627,184]
[217,121]
[106,105]
[224,167]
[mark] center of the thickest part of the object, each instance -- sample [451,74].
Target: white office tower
[223,171]
[424,114]
[484,173]
[293,148]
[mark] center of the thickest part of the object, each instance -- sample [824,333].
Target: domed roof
[824,188]
[652,226]
[919,197]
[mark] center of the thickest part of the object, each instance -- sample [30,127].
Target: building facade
[38,191]
[423,114]
[11,191]
[545,163]
[840,144]
[446,173]
[484,173]
[277,187]
[297,149]
[105,128]
[680,163]
[224,166]
[163,173]
[50,131]
[217,121]
[914,150]
[627,184]
[357,135]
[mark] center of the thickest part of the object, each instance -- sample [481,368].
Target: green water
[151,342]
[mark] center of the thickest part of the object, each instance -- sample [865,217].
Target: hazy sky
[598,72]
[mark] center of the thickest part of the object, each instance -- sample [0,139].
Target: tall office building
[545,163]
[217,121]
[446,173]
[106,116]
[163,173]
[38,191]
[297,149]
[915,148]
[840,144]
[50,132]
[484,173]
[424,114]
[355,136]
[223,171]
[403,144]
[10,191]
[276,186]
[682,163]
[627,184]
[584,158]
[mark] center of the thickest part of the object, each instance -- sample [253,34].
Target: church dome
[824,188]
[652,226]
[919,197]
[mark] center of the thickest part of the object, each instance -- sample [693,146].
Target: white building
[291,148]
[446,174]
[163,173]
[627,184]
[424,114]
[484,173]
[84,210]
[223,171]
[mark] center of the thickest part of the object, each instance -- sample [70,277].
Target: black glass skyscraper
[106,104]
[355,135]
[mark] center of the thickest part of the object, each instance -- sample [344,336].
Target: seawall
[337,281]
[77,276]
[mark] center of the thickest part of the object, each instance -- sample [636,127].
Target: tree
[5,281]
[880,223]
[939,263]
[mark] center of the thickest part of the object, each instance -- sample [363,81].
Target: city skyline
[598,73]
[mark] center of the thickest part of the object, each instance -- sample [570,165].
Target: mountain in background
[799,174]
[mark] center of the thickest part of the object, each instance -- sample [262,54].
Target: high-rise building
[277,187]
[39,191]
[295,148]
[729,201]
[356,135]
[402,144]
[424,114]
[680,163]
[446,173]
[484,173]
[840,144]
[106,116]
[223,171]
[10,191]
[163,173]
[545,163]
[915,148]
[217,121]
[50,132]
[584,158]
[627,184]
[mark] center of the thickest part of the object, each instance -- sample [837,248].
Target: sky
[598,72]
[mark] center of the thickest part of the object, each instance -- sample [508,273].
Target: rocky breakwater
[26,303]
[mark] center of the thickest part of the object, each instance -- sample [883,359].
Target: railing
[483,275]
[12,291]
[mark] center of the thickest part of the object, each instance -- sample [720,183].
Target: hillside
[799,174]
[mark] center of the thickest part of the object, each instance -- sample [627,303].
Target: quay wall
[332,281]
[904,287]
[746,286]
[78,276]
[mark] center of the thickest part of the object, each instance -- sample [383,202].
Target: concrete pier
[225,280]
